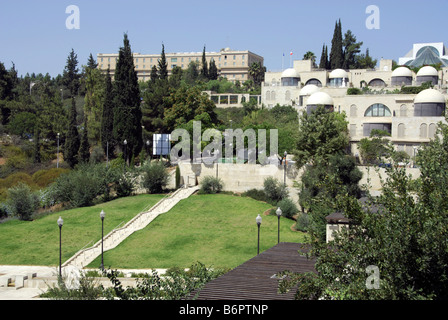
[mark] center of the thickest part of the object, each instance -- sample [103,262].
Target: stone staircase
[85,256]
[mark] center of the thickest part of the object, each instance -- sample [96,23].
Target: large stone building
[411,119]
[232,64]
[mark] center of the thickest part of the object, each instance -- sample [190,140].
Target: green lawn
[37,242]
[218,230]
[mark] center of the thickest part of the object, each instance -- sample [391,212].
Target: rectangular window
[173,59]
[234,57]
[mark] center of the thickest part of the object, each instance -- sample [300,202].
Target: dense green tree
[321,133]
[93,106]
[154,105]
[84,148]
[257,71]
[212,70]
[310,56]
[324,58]
[154,74]
[91,63]
[186,104]
[162,65]
[376,147]
[7,84]
[72,142]
[204,66]
[401,233]
[127,110]
[191,75]
[71,76]
[36,149]
[351,49]
[107,118]
[336,53]
[365,61]
[176,77]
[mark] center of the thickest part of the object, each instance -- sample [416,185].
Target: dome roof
[309,89]
[320,98]
[338,73]
[428,71]
[430,96]
[402,72]
[290,73]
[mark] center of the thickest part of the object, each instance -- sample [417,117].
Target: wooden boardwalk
[253,280]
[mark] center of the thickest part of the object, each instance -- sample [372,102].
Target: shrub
[275,190]
[289,209]
[211,184]
[256,194]
[303,222]
[22,201]
[177,177]
[155,177]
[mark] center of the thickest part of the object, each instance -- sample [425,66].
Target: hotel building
[231,64]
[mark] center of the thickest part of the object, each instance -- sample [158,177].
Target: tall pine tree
[204,69]
[72,142]
[127,110]
[213,70]
[336,53]
[324,58]
[84,148]
[107,118]
[71,76]
[163,66]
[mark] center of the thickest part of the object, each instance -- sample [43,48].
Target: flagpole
[283,58]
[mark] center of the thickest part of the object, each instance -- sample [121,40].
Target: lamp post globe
[258,219]
[279,214]
[60,224]
[102,216]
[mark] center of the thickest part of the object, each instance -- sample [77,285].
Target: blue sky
[34,36]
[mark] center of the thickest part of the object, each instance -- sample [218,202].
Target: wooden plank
[253,279]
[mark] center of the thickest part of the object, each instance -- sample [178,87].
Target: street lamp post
[284,173]
[279,214]
[147,148]
[102,216]
[57,164]
[125,144]
[258,220]
[60,223]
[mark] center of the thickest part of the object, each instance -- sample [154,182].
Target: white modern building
[371,99]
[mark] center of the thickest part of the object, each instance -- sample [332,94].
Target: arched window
[287,95]
[423,130]
[377,83]
[432,131]
[315,82]
[268,95]
[377,110]
[403,110]
[273,95]
[401,130]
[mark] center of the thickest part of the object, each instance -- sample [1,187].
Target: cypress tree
[84,152]
[163,66]
[213,70]
[91,63]
[154,75]
[323,58]
[107,118]
[72,141]
[126,103]
[336,53]
[204,70]
[70,76]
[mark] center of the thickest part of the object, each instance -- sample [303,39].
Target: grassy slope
[37,242]
[218,230]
